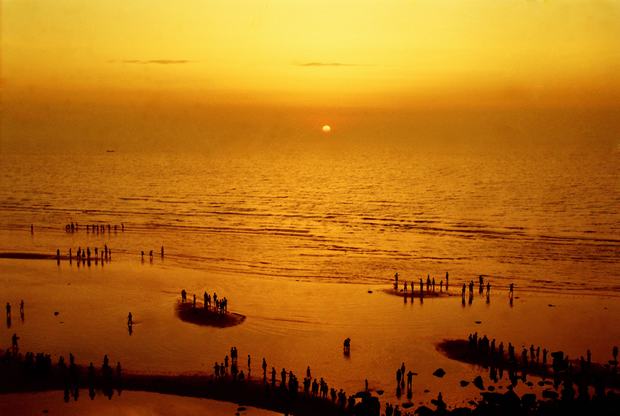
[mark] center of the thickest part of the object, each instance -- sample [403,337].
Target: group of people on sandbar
[95,228]
[85,256]
[210,302]
[431,285]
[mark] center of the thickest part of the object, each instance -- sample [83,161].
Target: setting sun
[327,128]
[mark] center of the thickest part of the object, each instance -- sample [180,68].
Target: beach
[292,324]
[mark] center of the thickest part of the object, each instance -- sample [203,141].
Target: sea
[540,214]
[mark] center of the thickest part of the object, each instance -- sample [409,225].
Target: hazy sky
[360,51]
[62,59]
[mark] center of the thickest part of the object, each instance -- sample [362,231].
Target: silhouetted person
[31,229]
[183,295]
[396,281]
[118,370]
[511,289]
[8,310]
[129,319]
[14,345]
[162,252]
[21,309]
[446,281]
[463,291]
[264,369]
[347,346]
[205,302]
[194,302]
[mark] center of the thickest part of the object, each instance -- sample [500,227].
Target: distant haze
[145,73]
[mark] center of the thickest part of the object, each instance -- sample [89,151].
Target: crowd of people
[38,369]
[581,373]
[317,388]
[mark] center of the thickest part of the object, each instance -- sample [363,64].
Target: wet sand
[207,317]
[32,256]
[285,319]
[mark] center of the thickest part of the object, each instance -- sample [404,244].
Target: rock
[440,372]
[380,392]
[424,411]
[461,411]
[464,383]
[478,383]
[512,399]
[427,391]
[478,322]
[551,305]
[56,313]
[407,405]
[528,400]
[370,291]
[492,398]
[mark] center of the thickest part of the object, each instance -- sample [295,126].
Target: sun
[326,128]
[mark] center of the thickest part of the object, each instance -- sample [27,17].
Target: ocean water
[543,216]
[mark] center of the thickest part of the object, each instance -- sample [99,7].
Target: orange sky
[393,53]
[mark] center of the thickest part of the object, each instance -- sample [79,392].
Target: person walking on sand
[129,319]
[8,310]
[446,281]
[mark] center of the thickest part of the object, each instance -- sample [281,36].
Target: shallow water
[129,403]
[542,215]
[291,324]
